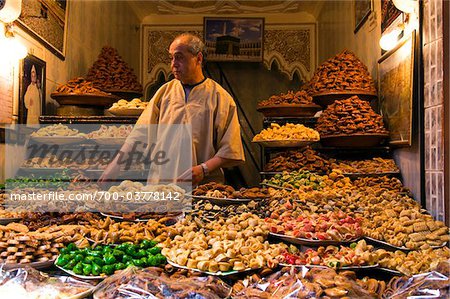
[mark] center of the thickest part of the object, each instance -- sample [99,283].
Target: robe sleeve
[228,131]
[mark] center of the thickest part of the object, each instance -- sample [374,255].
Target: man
[193,99]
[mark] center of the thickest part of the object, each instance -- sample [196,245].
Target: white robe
[211,112]
[34,110]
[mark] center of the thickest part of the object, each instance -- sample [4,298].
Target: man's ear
[200,58]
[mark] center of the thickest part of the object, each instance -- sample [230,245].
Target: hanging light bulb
[407,6]
[389,41]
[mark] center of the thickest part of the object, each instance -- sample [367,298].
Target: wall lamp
[409,23]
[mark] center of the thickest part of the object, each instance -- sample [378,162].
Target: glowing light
[407,6]
[389,41]
[12,49]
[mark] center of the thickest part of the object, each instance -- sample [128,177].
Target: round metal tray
[35,265]
[351,268]
[327,98]
[285,143]
[311,242]
[58,139]
[389,246]
[218,273]
[126,111]
[125,94]
[288,110]
[84,99]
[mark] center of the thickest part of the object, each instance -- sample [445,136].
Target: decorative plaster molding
[284,67]
[292,49]
[226,7]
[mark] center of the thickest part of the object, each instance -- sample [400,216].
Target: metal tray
[35,265]
[124,93]
[219,273]
[88,277]
[372,174]
[4,221]
[289,110]
[390,271]
[285,143]
[328,97]
[126,111]
[175,217]
[58,139]
[276,186]
[109,140]
[216,200]
[84,99]
[351,268]
[393,247]
[309,242]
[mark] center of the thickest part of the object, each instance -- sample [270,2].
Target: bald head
[194,43]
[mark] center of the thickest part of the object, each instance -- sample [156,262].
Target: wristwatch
[205,169]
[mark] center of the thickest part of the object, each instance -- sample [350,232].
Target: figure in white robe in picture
[32,99]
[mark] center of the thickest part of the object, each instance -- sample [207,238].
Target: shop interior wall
[336,33]
[91,25]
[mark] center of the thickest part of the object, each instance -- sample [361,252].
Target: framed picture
[46,21]
[234,39]
[363,8]
[389,13]
[31,90]
[396,80]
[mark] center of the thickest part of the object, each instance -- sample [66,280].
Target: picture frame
[396,72]
[234,39]
[46,21]
[31,94]
[389,13]
[362,10]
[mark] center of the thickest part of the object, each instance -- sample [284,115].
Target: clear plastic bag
[30,283]
[155,283]
[426,285]
[301,282]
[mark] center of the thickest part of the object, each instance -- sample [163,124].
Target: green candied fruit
[96,269]
[108,269]
[87,269]
[78,269]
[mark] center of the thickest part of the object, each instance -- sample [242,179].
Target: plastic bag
[426,285]
[155,283]
[301,282]
[29,283]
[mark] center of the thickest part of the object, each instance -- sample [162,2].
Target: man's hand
[194,174]
[197,175]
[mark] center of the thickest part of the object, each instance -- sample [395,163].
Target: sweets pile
[350,116]
[111,72]
[344,72]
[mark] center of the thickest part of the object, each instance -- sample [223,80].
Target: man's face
[184,64]
[33,76]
